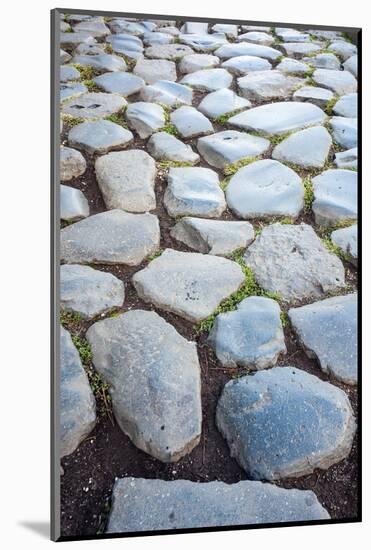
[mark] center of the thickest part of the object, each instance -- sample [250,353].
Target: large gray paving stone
[152,70]
[198,61]
[145,118]
[328,331]
[72,164]
[154,378]
[300,49]
[230,146]
[222,102]
[127,180]
[99,136]
[190,123]
[95,27]
[343,49]
[194,27]
[120,25]
[89,49]
[250,337]
[89,292]
[307,423]
[94,105]
[324,61]
[188,505]
[244,64]
[292,66]
[172,52]
[68,73]
[102,62]
[120,83]
[204,42]
[188,284]
[208,80]
[231,31]
[340,82]
[71,39]
[125,44]
[164,146]
[347,106]
[292,261]
[155,38]
[113,237]
[314,95]
[351,65]
[335,196]
[244,48]
[73,204]
[347,159]
[256,37]
[268,85]
[308,148]
[345,131]
[69,90]
[167,92]
[346,238]
[292,35]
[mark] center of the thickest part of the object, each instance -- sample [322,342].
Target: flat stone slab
[120,83]
[244,64]
[89,49]
[197,61]
[89,292]
[102,62]
[279,117]
[265,188]
[345,131]
[95,28]
[77,405]
[99,136]
[73,204]
[193,191]
[267,85]
[145,118]
[188,505]
[340,82]
[154,38]
[250,337]
[230,146]
[194,27]
[94,105]
[71,89]
[190,123]
[127,180]
[256,37]
[68,73]
[347,159]
[347,106]
[307,423]
[208,80]
[167,92]
[216,237]
[72,39]
[204,42]
[244,48]
[335,196]
[351,65]
[292,261]
[308,148]
[231,31]
[164,146]
[72,164]
[343,49]
[328,331]
[113,237]
[292,66]
[324,61]
[173,52]
[292,35]
[152,70]
[346,238]
[300,49]
[221,102]
[312,94]
[131,46]
[188,284]
[155,382]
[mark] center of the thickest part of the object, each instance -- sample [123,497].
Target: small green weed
[330,105]
[91,86]
[231,169]
[72,120]
[118,118]
[86,71]
[166,164]
[68,318]
[284,319]
[170,129]
[308,194]
[84,349]
[156,254]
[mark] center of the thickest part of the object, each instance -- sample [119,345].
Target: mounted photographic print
[205,334]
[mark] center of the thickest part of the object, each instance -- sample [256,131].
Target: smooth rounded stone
[300,49]
[89,49]
[113,237]
[164,146]
[99,136]
[204,42]
[256,37]
[231,31]
[127,180]
[308,148]
[340,82]
[292,66]
[72,39]
[244,48]
[95,28]
[292,261]
[279,117]
[120,25]
[64,56]
[265,188]
[155,382]
[167,92]
[102,63]
[194,192]
[347,106]
[251,336]
[345,131]
[172,52]
[173,31]
[190,123]
[94,105]
[292,35]
[325,35]
[131,46]
[208,80]
[335,196]
[71,89]
[314,95]
[154,38]
[73,204]
[244,64]
[267,85]
[351,65]
[258,28]
[152,70]
[145,118]
[221,102]
[188,284]
[328,331]
[307,423]
[347,159]
[230,146]
[347,239]
[72,164]
[68,73]
[323,61]
[216,237]
[77,405]
[343,49]
[188,505]
[120,83]
[89,292]
[197,61]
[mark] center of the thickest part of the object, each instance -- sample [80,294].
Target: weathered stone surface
[188,505]
[194,192]
[208,80]
[154,376]
[335,196]
[64,56]
[73,204]
[291,260]
[300,49]
[197,61]
[72,164]
[152,70]
[347,159]
[99,136]
[351,65]
[347,106]
[230,146]
[113,237]
[308,148]
[89,49]
[131,46]
[120,83]
[244,64]
[120,25]
[251,336]
[256,37]
[154,38]
[167,92]
[68,73]
[347,239]
[345,131]
[267,85]
[71,89]
[93,105]
[186,283]
[216,237]
[72,39]
[279,117]
[221,102]
[101,63]
[292,66]
[127,180]
[265,188]
[312,94]
[324,61]
[204,42]
[77,405]
[292,35]
[172,52]
[89,292]
[145,118]
[307,423]
[328,331]
[243,48]
[231,31]
[164,146]
[190,123]
[94,27]
[340,82]
[343,49]
[194,27]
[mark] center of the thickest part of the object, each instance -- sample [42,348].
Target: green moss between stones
[308,194]
[86,71]
[231,169]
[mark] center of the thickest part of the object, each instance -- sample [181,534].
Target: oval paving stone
[243,48]
[120,83]
[164,146]
[340,82]
[94,105]
[244,64]
[268,85]
[190,123]
[221,102]
[99,136]
[208,80]
[152,70]
[145,118]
